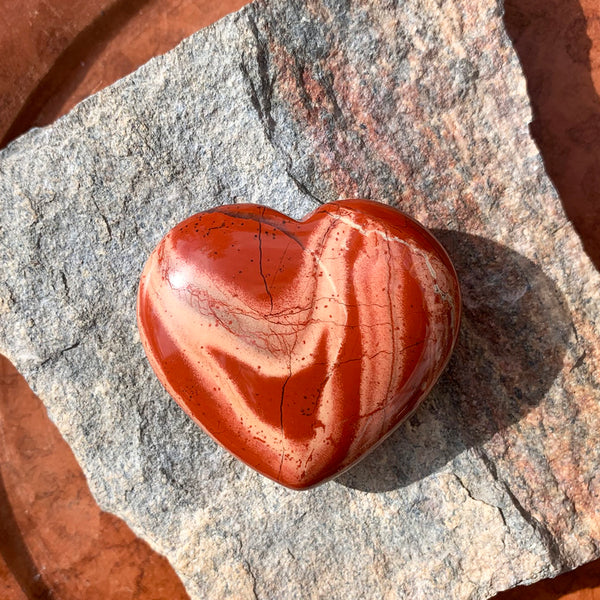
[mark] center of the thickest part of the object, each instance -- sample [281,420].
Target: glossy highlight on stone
[299,345]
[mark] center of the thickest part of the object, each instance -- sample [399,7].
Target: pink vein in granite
[299,345]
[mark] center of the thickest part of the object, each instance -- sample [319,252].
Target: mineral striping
[299,345]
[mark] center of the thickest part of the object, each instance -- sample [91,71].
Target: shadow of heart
[514,334]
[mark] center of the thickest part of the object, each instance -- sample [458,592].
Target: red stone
[299,345]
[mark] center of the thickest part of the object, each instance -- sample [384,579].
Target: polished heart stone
[299,345]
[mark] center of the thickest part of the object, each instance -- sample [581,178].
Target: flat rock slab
[495,480]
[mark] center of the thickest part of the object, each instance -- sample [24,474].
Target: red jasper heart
[299,345]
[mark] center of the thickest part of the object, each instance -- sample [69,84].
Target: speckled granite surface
[494,481]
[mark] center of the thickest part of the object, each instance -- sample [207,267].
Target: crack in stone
[60,353]
[260,263]
[393,339]
[281,422]
[281,401]
[63,277]
[579,361]
[252,577]
[470,495]
[553,549]
[279,267]
[209,229]
[261,95]
[303,188]
[546,537]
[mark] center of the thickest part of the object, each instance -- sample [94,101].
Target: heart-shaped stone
[299,345]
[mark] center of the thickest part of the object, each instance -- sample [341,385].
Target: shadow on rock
[514,334]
